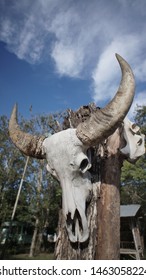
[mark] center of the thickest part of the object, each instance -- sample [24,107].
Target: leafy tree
[140,118]
[43,204]
[11,166]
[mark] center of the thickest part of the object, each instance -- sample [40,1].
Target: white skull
[134,141]
[68,162]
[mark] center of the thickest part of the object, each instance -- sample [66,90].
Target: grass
[22,253]
[42,256]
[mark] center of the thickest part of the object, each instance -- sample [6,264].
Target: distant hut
[131,231]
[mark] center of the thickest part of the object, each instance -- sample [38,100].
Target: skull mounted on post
[67,152]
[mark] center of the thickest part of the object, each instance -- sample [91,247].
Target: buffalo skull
[66,151]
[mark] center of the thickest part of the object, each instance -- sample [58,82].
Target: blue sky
[59,54]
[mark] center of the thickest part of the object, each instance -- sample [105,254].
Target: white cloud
[68,60]
[81,37]
[107,74]
[140,70]
[7,30]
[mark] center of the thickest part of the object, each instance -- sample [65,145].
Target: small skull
[134,141]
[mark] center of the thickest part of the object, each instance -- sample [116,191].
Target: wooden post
[108,244]
[137,239]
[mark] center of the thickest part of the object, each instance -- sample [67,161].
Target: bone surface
[68,162]
[135,140]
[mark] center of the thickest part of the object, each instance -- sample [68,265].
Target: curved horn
[103,122]
[28,144]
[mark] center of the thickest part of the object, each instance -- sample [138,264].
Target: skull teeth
[75,228]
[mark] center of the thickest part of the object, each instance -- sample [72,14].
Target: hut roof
[129,210]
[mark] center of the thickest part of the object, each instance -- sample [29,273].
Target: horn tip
[124,65]
[119,58]
[15,105]
[14,111]
[13,116]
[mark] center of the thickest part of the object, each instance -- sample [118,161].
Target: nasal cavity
[84,165]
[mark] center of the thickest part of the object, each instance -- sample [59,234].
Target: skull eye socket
[84,165]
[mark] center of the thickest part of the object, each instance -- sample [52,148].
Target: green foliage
[140,118]
[43,201]
[11,166]
[133,179]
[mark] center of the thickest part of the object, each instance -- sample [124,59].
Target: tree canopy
[47,200]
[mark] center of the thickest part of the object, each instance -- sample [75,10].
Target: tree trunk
[34,238]
[39,241]
[34,243]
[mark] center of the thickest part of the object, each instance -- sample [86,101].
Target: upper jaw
[77,227]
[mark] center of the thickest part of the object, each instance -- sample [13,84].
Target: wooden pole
[19,190]
[108,245]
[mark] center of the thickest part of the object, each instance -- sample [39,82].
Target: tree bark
[34,246]
[34,238]
[108,240]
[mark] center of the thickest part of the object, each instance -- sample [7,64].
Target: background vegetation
[40,198]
